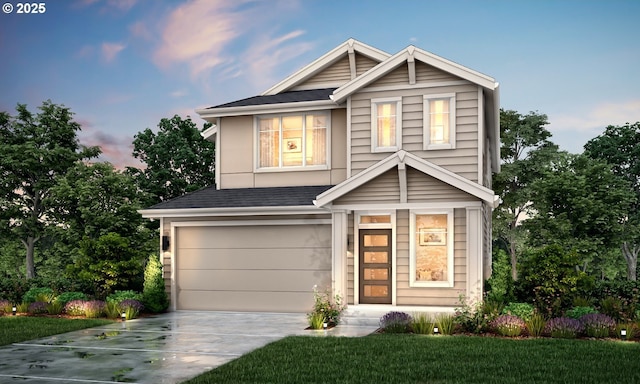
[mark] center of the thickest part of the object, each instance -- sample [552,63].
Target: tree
[581,205]
[619,146]
[34,151]
[178,160]
[526,152]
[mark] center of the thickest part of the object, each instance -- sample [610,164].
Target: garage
[240,267]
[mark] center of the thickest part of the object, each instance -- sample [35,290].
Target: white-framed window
[439,121]
[431,247]
[293,141]
[386,124]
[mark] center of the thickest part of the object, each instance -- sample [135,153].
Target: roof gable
[325,61]
[401,159]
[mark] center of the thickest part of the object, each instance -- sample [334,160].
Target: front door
[375,266]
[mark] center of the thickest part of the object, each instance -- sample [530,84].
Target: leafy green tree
[154,295]
[177,159]
[580,205]
[619,146]
[526,152]
[34,150]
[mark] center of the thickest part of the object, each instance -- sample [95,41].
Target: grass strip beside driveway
[432,359]
[15,329]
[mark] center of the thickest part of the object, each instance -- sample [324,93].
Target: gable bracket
[352,61]
[402,178]
[411,63]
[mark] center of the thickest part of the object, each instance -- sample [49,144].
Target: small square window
[439,121]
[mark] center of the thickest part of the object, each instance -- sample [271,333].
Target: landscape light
[124,316]
[14,310]
[623,334]
[436,330]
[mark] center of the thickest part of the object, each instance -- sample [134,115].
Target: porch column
[474,254]
[339,253]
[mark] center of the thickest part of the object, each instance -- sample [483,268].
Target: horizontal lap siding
[400,75]
[383,189]
[424,188]
[363,64]
[427,74]
[334,75]
[463,160]
[430,296]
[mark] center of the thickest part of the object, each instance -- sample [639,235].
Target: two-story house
[363,172]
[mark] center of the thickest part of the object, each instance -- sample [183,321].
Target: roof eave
[211,113]
[231,211]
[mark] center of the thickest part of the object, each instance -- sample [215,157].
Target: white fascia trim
[413,161]
[248,211]
[418,54]
[397,206]
[267,108]
[324,61]
[213,130]
[247,223]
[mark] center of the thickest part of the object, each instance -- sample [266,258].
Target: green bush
[445,323]
[55,307]
[578,312]
[476,318]
[120,296]
[66,297]
[499,286]
[38,294]
[535,325]
[522,310]
[154,295]
[329,307]
[422,324]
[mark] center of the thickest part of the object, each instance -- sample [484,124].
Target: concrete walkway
[168,348]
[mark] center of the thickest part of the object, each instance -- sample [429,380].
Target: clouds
[110,51]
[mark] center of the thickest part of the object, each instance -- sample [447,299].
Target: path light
[14,310]
[436,330]
[623,334]
[325,325]
[124,316]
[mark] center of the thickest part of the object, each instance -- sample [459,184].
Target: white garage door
[251,268]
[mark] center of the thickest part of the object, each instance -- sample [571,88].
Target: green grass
[23,328]
[427,359]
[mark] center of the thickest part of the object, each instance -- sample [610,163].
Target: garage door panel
[260,237]
[251,280]
[292,258]
[246,301]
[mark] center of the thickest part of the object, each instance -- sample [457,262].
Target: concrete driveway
[168,348]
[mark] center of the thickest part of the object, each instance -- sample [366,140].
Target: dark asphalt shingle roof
[284,97]
[211,197]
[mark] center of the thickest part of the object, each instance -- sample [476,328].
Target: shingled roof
[284,97]
[211,197]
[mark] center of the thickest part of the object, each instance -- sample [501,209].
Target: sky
[122,65]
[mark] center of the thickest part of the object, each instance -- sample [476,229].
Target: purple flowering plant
[564,327]
[395,322]
[74,308]
[94,308]
[508,325]
[131,308]
[38,307]
[597,324]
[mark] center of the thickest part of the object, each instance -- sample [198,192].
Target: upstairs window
[386,124]
[293,141]
[439,121]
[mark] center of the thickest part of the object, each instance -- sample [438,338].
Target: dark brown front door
[375,266]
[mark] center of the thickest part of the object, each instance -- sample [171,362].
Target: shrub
[66,297]
[38,294]
[422,324]
[474,319]
[119,296]
[395,322]
[508,325]
[613,307]
[131,308]
[22,308]
[94,309]
[535,325]
[446,323]
[597,324]
[13,289]
[330,308]
[154,295]
[74,308]
[5,306]
[578,312]
[112,310]
[55,307]
[563,327]
[316,320]
[523,310]
[499,286]
[37,307]
[619,299]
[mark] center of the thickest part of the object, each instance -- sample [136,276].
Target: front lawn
[14,329]
[387,358]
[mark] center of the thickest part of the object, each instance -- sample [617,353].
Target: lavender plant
[74,308]
[563,327]
[37,307]
[94,309]
[597,324]
[131,308]
[508,325]
[395,322]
